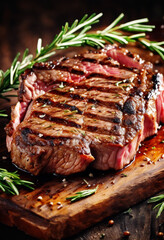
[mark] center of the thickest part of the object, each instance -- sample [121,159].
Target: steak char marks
[95,107]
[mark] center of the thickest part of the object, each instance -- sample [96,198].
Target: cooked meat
[95,107]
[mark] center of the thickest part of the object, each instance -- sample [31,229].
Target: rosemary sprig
[9,79]
[154,46]
[68,37]
[10,180]
[82,194]
[2,114]
[111,33]
[159,198]
[77,35]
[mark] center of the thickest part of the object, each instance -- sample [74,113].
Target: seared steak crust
[90,107]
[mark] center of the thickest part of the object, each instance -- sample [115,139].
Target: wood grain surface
[46,214]
[116,192]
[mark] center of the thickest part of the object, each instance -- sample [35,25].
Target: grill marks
[58,119]
[93,120]
[88,121]
[90,110]
[85,108]
[49,133]
[93,96]
[45,102]
[92,101]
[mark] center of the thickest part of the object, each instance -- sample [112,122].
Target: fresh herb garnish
[44,105]
[111,33]
[128,211]
[83,133]
[74,35]
[10,180]
[77,35]
[154,46]
[67,111]
[82,194]
[72,113]
[123,175]
[2,114]
[86,182]
[159,198]
[118,83]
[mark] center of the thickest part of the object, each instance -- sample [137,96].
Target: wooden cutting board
[45,213]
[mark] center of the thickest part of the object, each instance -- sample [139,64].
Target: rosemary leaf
[82,194]
[161,208]
[10,180]
[2,114]
[156,199]
[159,198]
[110,33]
[154,46]
[77,35]
[113,24]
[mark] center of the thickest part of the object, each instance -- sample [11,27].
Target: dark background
[23,22]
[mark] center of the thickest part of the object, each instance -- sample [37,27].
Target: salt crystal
[72,89]
[40,135]
[42,115]
[40,198]
[60,206]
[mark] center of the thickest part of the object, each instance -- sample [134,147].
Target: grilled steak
[95,107]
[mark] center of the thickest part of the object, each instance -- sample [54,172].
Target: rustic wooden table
[140,221]
[21,23]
